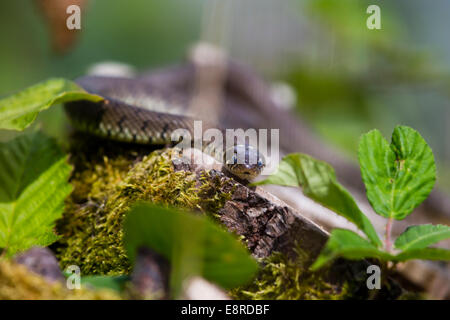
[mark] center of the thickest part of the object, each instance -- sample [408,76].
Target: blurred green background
[347,79]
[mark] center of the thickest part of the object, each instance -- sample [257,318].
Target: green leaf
[115,283]
[193,244]
[424,254]
[18,111]
[399,176]
[347,244]
[418,237]
[288,173]
[318,180]
[33,186]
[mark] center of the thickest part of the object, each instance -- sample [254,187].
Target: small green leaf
[193,244]
[115,283]
[18,111]
[33,185]
[288,173]
[347,244]
[399,176]
[318,181]
[423,254]
[418,237]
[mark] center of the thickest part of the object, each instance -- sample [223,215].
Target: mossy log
[110,177]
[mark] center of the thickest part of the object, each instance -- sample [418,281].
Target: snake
[134,111]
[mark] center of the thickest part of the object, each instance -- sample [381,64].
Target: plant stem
[387,241]
[3,253]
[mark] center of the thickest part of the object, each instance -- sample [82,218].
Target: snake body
[136,112]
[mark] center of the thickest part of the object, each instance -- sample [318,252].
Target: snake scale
[136,112]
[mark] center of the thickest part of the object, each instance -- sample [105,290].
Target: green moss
[106,187]
[107,183]
[18,283]
[282,278]
[214,191]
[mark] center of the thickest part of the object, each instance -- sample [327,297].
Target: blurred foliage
[18,283]
[20,110]
[348,79]
[145,33]
[193,244]
[141,33]
[341,90]
[34,177]
[356,78]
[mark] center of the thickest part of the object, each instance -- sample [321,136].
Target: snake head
[244,161]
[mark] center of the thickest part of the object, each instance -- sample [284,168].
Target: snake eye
[260,163]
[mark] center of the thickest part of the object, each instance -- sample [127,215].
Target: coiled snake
[136,112]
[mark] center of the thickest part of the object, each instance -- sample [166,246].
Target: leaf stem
[387,242]
[3,253]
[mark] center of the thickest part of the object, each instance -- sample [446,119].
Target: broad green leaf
[418,237]
[33,185]
[193,244]
[423,254]
[18,111]
[399,176]
[318,181]
[288,173]
[347,244]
